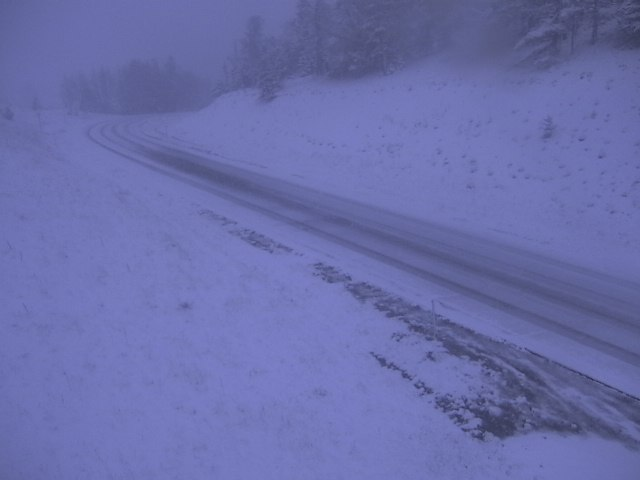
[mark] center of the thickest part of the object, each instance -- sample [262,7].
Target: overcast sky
[41,40]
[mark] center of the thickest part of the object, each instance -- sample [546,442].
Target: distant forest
[353,38]
[140,86]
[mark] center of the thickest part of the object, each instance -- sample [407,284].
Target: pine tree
[547,25]
[368,36]
[303,41]
[272,69]
[595,20]
[252,50]
[415,27]
[629,23]
[171,85]
[570,17]
[71,95]
[514,18]
[322,26]
[105,91]
[310,37]
[541,47]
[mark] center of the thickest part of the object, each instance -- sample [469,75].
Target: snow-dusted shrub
[269,86]
[548,127]
[7,113]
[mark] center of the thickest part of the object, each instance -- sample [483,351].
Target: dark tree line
[629,23]
[340,39]
[351,38]
[137,87]
[543,31]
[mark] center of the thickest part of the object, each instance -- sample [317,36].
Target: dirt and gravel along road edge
[520,392]
[501,390]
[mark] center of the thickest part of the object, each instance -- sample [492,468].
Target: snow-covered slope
[549,161]
[140,337]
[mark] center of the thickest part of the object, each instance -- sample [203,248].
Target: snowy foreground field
[150,330]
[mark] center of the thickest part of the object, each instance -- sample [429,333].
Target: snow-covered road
[593,309]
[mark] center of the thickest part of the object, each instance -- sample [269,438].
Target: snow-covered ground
[141,337]
[461,146]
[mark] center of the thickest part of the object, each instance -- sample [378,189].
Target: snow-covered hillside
[150,330]
[549,161]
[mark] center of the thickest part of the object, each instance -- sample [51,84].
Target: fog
[42,40]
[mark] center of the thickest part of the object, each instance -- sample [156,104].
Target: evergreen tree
[252,52]
[544,30]
[545,26]
[259,61]
[382,35]
[595,20]
[105,87]
[138,88]
[460,25]
[570,16]
[303,38]
[629,23]
[70,93]
[541,47]
[310,37]
[415,26]
[365,39]
[171,85]
[359,37]
[272,69]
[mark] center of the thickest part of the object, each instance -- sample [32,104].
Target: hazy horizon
[41,41]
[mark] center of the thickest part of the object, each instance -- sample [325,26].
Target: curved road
[594,309]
